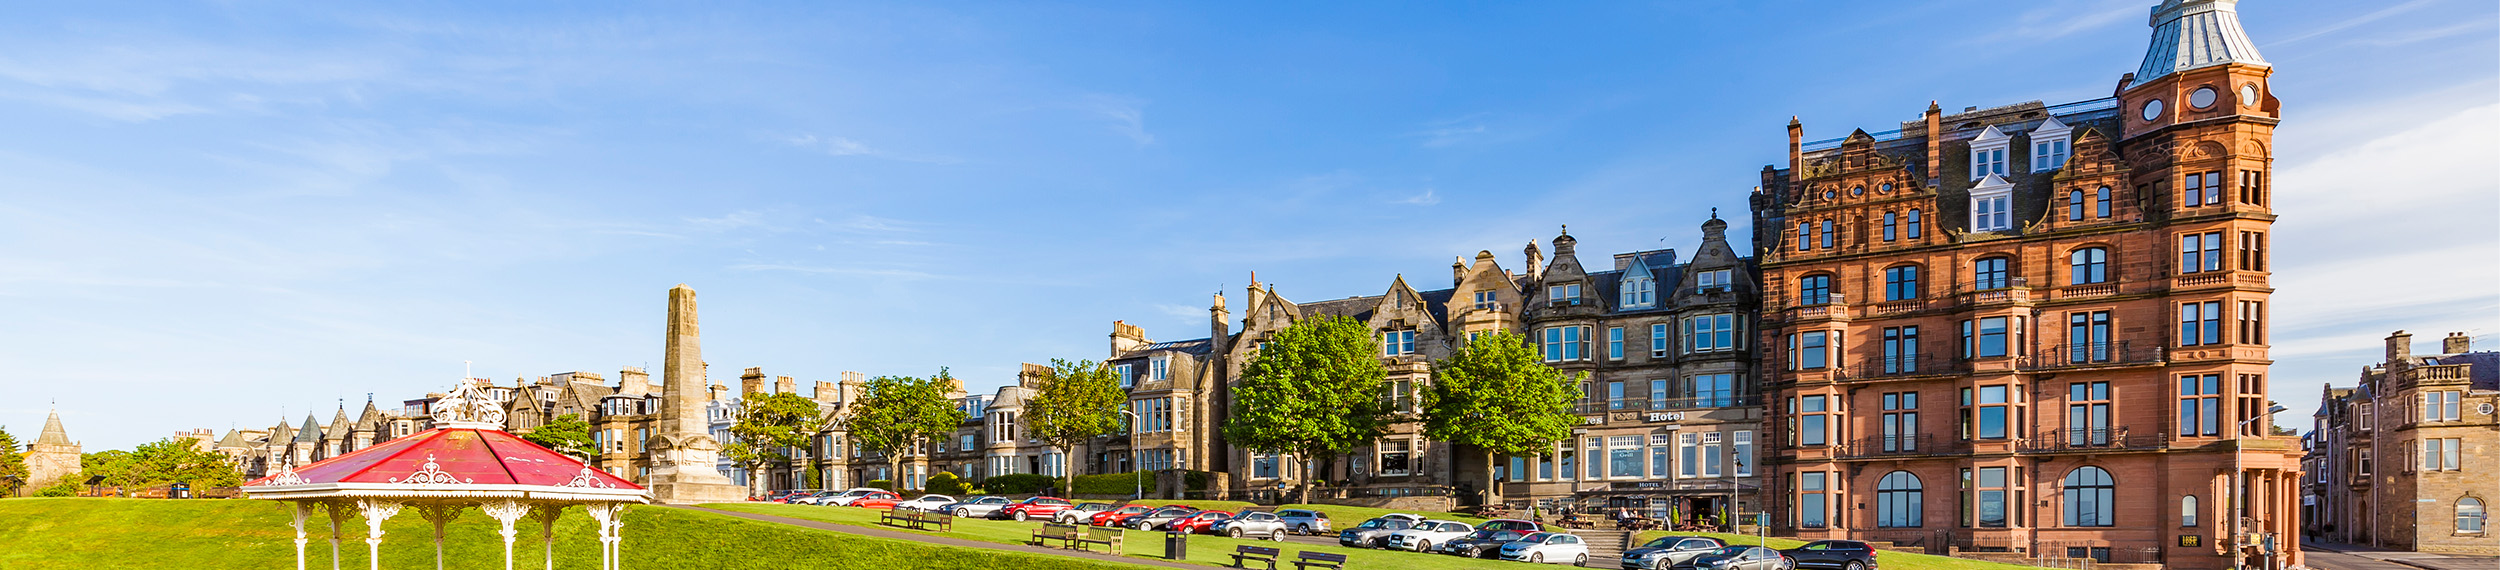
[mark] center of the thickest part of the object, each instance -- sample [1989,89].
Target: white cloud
[2053,20]
[1128,118]
[2342,24]
[1425,199]
[839,146]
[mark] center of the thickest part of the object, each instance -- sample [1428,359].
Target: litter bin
[1176,545]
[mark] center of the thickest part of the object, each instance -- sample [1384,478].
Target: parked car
[1034,508]
[853,494]
[1250,525]
[977,508]
[1156,518]
[1427,535]
[1114,516]
[1081,514]
[1544,547]
[1304,521]
[1483,543]
[1665,552]
[1198,522]
[926,503]
[809,498]
[1738,558]
[1523,527]
[880,500]
[1372,533]
[1841,554]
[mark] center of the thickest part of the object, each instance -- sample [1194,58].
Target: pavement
[2333,556]
[949,541]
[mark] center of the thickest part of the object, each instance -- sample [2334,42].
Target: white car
[1428,535]
[1547,547]
[844,499]
[926,503]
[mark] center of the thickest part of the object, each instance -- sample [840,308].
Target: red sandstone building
[2038,329]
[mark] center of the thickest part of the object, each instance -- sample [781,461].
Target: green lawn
[236,533]
[1203,549]
[1892,559]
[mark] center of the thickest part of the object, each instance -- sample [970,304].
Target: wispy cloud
[730,221]
[1128,117]
[1429,197]
[2422,35]
[2342,24]
[1180,311]
[830,270]
[839,146]
[2053,20]
[1447,132]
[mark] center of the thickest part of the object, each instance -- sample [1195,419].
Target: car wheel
[1235,533]
[1423,546]
[1536,558]
[1582,560]
[1854,565]
[1277,535]
[1302,529]
[963,512]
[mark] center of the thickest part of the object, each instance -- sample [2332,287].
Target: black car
[1840,554]
[1738,558]
[1481,544]
[1664,552]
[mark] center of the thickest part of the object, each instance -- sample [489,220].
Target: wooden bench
[1066,534]
[1109,538]
[1309,559]
[1245,553]
[917,520]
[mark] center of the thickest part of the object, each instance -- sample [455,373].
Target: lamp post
[2238,458]
[1133,465]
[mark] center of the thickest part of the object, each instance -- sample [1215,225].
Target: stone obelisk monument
[685,469]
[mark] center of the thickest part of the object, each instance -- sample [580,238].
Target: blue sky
[215,214]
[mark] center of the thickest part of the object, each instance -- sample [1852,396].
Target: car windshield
[1538,537]
[1732,551]
[938,498]
[1668,542]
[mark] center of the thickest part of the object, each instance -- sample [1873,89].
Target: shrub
[66,487]
[881,484]
[1112,483]
[946,483]
[1018,484]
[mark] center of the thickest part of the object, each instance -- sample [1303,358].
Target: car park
[1523,527]
[1665,552]
[880,500]
[1114,516]
[1156,518]
[1197,523]
[1547,547]
[853,494]
[1737,558]
[1034,508]
[926,503]
[1250,525]
[1373,533]
[1839,554]
[977,508]
[1303,521]
[1427,535]
[1483,543]
[1082,514]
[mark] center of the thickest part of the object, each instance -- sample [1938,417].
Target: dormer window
[1987,153]
[1639,291]
[1126,380]
[1566,294]
[2049,145]
[1714,281]
[1159,369]
[1991,205]
[1485,300]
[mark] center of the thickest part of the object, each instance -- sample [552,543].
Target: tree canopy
[13,472]
[1496,394]
[171,460]
[769,423]
[1077,402]
[567,434]
[895,412]
[1314,389]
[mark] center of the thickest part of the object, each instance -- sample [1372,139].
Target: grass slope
[138,533]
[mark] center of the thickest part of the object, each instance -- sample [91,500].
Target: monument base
[688,493]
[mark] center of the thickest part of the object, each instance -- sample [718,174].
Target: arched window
[2088,265]
[2187,510]
[2470,515]
[2090,497]
[1899,501]
[2100,208]
[1814,290]
[1913,228]
[1889,221]
[2074,205]
[1638,291]
[1989,274]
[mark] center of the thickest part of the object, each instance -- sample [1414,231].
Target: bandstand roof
[466,458]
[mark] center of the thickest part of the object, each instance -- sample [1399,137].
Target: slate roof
[311,432]
[234,438]
[2189,34]
[2484,372]
[1358,307]
[1199,347]
[1437,302]
[53,434]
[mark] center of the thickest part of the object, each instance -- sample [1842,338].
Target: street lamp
[1133,465]
[2238,500]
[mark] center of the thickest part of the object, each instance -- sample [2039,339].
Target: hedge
[1018,484]
[1127,483]
[881,484]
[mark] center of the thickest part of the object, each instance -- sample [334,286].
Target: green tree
[897,412]
[1498,396]
[169,460]
[12,465]
[1077,402]
[567,434]
[768,424]
[1314,390]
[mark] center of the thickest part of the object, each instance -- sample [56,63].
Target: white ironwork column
[604,515]
[375,512]
[300,510]
[547,526]
[506,512]
[439,514]
[338,516]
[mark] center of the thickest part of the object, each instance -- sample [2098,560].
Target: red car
[879,500]
[1197,523]
[1113,517]
[1035,508]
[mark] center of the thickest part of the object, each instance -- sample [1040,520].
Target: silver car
[1251,525]
[1372,533]
[978,508]
[1667,551]
[1304,521]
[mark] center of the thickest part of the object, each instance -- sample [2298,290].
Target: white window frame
[1658,340]
[1565,295]
[1639,291]
[1987,153]
[1124,372]
[2051,145]
[1159,368]
[1991,202]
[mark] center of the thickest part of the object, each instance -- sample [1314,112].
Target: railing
[1905,306]
[2052,550]
[2091,290]
[2200,279]
[2084,106]
[1828,144]
[2090,439]
[2015,294]
[2094,354]
[1882,445]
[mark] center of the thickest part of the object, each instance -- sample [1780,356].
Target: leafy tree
[13,471]
[897,412]
[170,460]
[1498,396]
[946,483]
[567,434]
[1314,390]
[66,487]
[768,424]
[1077,402]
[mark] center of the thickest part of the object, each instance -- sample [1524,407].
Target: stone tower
[685,467]
[52,457]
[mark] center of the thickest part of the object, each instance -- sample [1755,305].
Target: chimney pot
[2456,343]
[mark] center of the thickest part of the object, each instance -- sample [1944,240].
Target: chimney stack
[1796,149]
[1126,337]
[2456,343]
[785,385]
[826,393]
[751,383]
[2399,348]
